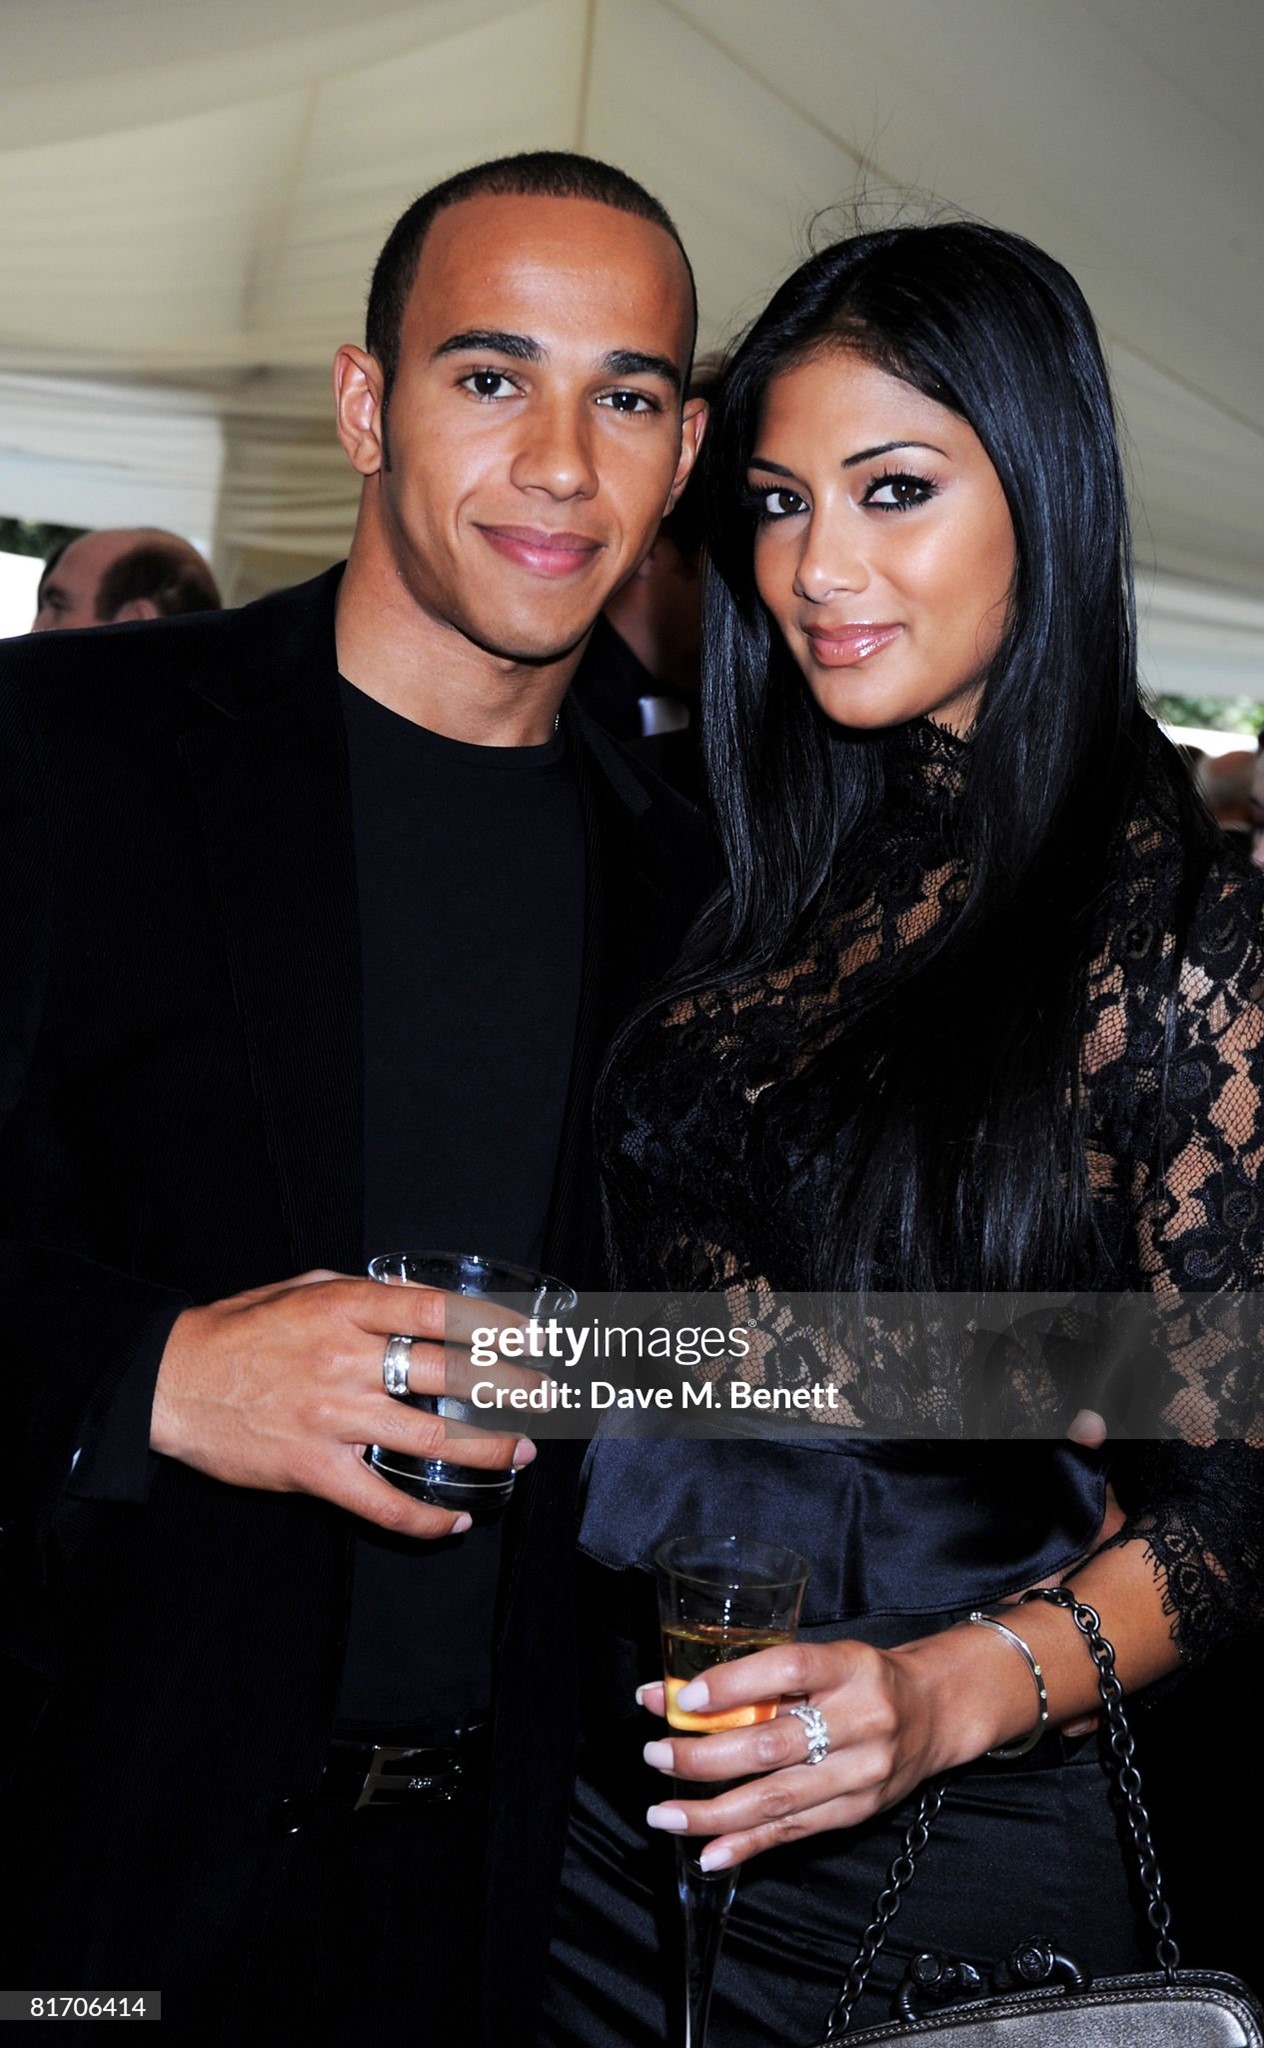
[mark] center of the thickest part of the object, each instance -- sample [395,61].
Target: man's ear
[693,425]
[358,407]
[135,608]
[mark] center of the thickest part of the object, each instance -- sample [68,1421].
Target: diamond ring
[817,1733]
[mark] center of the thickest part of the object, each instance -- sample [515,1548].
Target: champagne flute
[719,1598]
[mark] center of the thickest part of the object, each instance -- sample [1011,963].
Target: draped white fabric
[191,199]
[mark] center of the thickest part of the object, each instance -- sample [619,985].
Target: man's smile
[542,551]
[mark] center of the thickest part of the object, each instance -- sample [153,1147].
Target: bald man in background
[122,573]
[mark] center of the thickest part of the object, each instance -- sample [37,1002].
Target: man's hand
[281,1389]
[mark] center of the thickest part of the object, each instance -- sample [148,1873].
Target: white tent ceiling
[192,193]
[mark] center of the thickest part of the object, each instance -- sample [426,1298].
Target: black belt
[401,1773]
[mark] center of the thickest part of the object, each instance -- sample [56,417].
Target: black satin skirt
[1029,1847]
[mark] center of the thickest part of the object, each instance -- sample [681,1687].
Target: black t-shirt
[470,866]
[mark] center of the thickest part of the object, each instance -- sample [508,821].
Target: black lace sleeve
[1193,1154]
[1180,1075]
[1200,1512]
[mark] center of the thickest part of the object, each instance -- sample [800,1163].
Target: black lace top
[708,1190]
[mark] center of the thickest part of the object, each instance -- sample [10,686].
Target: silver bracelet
[1042,1698]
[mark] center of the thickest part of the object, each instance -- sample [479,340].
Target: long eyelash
[900,476]
[754,502]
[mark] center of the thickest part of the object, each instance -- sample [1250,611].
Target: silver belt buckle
[395,1773]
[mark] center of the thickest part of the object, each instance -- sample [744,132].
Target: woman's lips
[542,552]
[844,646]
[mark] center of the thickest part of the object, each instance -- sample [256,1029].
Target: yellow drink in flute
[689,1651]
[720,1596]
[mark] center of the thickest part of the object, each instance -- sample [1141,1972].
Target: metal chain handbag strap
[1041,1997]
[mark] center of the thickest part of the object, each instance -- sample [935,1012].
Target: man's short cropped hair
[534,174]
[170,573]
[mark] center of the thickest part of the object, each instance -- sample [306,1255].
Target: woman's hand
[881,1718]
[894,1717]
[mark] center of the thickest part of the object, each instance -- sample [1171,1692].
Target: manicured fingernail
[695,1697]
[1087,1428]
[659,1754]
[524,1453]
[461,1524]
[717,1857]
[673,1819]
[640,1694]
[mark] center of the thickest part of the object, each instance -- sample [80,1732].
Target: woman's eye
[779,504]
[899,493]
[628,401]
[489,384]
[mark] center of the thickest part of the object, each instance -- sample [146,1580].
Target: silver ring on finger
[816,1731]
[395,1366]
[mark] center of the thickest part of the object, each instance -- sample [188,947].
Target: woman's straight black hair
[952,1106]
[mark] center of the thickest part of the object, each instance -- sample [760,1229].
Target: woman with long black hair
[980,1010]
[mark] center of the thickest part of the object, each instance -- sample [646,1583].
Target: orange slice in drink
[710,1724]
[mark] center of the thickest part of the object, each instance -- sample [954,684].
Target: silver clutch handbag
[1041,1997]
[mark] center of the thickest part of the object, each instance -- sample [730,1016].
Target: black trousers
[373,1934]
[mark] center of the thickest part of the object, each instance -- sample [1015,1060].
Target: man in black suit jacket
[271,949]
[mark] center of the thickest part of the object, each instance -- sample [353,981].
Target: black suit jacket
[180,1118]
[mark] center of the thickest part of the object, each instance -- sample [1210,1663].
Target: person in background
[1256,805]
[1224,783]
[641,673]
[119,574]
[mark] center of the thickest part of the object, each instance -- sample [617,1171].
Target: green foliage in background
[1214,714]
[32,537]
